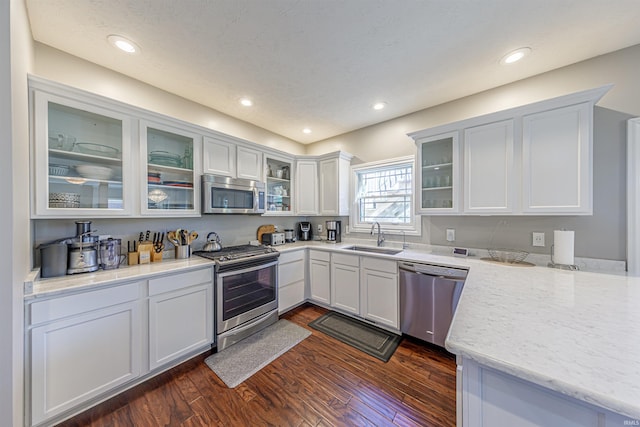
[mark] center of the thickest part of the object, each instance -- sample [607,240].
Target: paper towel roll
[563,247]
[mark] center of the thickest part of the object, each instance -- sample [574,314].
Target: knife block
[144,252]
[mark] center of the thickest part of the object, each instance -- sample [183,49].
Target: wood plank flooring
[320,382]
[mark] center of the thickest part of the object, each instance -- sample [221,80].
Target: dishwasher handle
[434,270]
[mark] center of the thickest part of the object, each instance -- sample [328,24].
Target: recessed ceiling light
[379,105]
[306,130]
[246,102]
[123,44]
[515,56]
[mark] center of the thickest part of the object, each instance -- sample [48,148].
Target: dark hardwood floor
[320,382]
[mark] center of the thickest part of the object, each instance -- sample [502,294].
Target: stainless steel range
[246,283]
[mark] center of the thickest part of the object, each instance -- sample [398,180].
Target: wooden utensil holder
[156,256]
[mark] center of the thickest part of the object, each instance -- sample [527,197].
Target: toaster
[273,239]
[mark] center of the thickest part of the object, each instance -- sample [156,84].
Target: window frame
[414,228]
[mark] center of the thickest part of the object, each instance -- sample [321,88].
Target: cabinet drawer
[320,255]
[44,311]
[380,264]
[180,281]
[290,272]
[352,260]
[287,257]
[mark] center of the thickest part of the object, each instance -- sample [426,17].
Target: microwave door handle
[256,199]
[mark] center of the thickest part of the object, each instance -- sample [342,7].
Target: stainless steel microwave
[224,195]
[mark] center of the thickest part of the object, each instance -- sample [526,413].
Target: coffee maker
[304,230]
[334,234]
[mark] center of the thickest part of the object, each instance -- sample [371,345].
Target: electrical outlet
[451,235]
[538,239]
[319,228]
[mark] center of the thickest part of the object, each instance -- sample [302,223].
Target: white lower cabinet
[366,287]
[291,280]
[379,282]
[345,283]
[320,277]
[490,398]
[180,315]
[82,346]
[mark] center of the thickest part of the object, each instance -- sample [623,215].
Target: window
[383,192]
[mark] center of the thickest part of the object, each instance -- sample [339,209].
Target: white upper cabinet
[488,168]
[280,185]
[437,173]
[228,158]
[249,165]
[306,187]
[334,185]
[82,164]
[322,184]
[170,183]
[219,157]
[557,158]
[536,159]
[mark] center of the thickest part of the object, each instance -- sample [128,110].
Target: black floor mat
[367,338]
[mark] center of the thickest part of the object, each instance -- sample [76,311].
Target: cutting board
[269,228]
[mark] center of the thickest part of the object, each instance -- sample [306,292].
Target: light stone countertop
[55,286]
[577,333]
[574,332]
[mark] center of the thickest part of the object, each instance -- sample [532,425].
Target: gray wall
[232,229]
[602,235]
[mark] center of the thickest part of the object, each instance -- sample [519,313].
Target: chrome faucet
[380,233]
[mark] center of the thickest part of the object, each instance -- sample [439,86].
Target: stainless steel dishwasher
[429,296]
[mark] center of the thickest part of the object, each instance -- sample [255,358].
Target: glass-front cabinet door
[82,161]
[169,179]
[437,167]
[279,174]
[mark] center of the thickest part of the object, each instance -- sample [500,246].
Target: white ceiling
[323,63]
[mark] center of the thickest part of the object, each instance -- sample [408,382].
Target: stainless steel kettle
[213,243]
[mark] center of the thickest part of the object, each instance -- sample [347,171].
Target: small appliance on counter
[109,251]
[53,258]
[83,250]
[289,235]
[273,239]
[334,234]
[304,230]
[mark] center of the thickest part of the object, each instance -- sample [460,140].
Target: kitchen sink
[373,249]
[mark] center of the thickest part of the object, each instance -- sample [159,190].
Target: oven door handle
[235,331]
[232,271]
